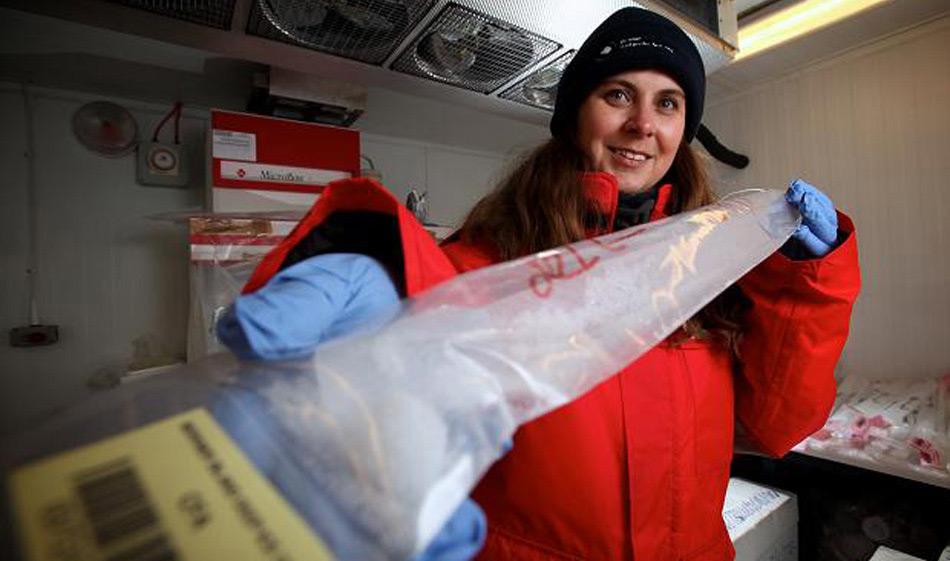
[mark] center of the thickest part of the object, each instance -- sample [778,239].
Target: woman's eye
[669,104]
[617,96]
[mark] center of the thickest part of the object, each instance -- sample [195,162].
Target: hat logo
[606,50]
[632,42]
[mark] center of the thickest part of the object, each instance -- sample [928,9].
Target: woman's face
[631,126]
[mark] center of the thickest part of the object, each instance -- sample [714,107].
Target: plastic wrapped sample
[224,252]
[378,438]
[899,423]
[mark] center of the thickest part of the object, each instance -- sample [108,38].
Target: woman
[638,467]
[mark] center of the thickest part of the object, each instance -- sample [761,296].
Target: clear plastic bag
[378,438]
[899,423]
[224,252]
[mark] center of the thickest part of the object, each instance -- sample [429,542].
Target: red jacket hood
[602,190]
[423,264]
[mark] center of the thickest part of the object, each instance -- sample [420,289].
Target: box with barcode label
[174,489]
[762,522]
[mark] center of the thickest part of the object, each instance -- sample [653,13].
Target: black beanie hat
[631,39]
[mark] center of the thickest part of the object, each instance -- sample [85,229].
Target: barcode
[124,523]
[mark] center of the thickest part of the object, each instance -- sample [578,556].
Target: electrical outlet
[161,165]
[34,335]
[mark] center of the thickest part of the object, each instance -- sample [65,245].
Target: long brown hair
[540,204]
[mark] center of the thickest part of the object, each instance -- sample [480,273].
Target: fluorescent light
[795,21]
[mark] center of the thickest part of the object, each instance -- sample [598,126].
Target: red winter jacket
[637,468]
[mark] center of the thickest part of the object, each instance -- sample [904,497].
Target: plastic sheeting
[900,426]
[378,438]
[224,252]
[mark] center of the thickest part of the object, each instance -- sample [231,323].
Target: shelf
[857,459]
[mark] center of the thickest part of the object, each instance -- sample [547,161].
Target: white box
[887,554]
[762,522]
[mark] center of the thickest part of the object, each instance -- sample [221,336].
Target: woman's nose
[640,122]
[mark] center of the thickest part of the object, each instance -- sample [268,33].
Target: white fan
[105,128]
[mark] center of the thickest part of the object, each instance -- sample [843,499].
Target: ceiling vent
[472,50]
[499,56]
[213,13]
[539,89]
[364,30]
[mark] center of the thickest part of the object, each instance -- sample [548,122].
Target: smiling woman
[631,126]
[638,467]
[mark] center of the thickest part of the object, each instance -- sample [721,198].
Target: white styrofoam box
[887,554]
[762,522]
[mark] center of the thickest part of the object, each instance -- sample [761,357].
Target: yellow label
[177,489]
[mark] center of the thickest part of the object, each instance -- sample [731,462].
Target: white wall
[454,177]
[115,281]
[872,128]
[455,152]
[109,277]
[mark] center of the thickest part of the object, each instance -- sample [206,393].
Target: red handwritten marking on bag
[558,266]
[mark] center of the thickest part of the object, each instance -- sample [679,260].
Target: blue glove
[308,303]
[304,305]
[461,537]
[251,422]
[818,232]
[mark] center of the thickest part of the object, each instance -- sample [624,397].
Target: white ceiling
[866,27]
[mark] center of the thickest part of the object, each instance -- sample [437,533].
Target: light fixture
[795,21]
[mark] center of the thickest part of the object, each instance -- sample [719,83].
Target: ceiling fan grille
[213,13]
[472,50]
[539,89]
[363,30]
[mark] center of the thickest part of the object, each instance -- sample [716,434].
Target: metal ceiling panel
[488,51]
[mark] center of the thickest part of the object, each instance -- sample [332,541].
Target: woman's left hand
[818,233]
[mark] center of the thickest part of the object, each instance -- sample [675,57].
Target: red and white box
[260,163]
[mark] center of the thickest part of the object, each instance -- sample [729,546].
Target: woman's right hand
[318,299]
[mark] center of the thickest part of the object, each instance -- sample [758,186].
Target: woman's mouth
[629,157]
